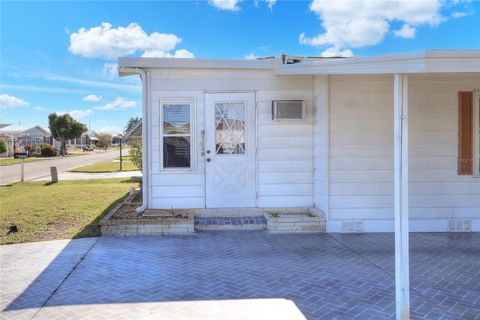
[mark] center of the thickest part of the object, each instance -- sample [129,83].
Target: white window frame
[476,135]
[192,103]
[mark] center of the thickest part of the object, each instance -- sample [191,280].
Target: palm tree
[132,123]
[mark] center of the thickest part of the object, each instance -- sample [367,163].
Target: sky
[61,56]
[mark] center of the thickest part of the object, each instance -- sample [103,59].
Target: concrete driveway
[239,275]
[39,169]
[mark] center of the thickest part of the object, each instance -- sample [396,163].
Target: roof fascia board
[355,66]
[174,63]
[417,62]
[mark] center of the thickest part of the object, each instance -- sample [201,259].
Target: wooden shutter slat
[465,133]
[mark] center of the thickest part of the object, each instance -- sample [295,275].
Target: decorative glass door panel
[230,128]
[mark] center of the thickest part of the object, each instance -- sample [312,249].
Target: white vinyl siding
[284,148]
[284,153]
[361,148]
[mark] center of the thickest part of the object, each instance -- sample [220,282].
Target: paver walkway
[239,275]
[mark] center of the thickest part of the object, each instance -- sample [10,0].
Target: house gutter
[145,170]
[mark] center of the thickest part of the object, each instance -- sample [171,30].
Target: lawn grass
[12,161]
[125,158]
[63,210]
[112,166]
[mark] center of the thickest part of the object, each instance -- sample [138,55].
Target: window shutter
[465,134]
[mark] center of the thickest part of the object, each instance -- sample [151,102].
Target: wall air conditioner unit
[288,109]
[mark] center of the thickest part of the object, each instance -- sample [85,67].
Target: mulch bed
[138,198]
[126,211]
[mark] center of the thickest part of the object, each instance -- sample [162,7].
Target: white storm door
[230,150]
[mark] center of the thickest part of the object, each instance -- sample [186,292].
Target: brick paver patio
[239,274]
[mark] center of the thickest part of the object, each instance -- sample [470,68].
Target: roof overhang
[128,66]
[429,61]
[24,130]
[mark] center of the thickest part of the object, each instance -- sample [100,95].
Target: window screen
[176,135]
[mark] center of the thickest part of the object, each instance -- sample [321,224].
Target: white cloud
[250,56]
[110,70]
[90,83]
[77,114]
[406,31]
[118,104]
[110,129]
[334,52]
[460,14]
[225,4]
[39,109]
[40,89]
[92,98]
[182,53]
[110,43]
[360,23]
[8,101]
[270,3]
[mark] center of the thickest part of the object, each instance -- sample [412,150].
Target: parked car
[20,155]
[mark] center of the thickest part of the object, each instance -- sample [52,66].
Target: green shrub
[47,150]
[136,153]
[3,146]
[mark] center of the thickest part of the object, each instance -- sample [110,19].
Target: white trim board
[415,225]
[429,61]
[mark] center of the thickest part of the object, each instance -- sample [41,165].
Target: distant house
[88,138]
[17,136]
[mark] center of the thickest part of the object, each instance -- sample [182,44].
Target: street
[39,169]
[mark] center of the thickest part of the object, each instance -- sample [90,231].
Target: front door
[230,150]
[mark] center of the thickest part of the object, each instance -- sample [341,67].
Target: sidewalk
[86,176]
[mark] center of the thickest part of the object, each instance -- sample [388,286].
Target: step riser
[214,227]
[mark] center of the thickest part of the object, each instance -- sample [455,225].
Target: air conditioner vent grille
[288,109]
[352,226]
[460,225]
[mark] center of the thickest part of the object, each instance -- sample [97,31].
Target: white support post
[402,289]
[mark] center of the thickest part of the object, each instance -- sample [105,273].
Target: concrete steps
[230,223]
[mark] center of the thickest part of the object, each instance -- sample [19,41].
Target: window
[476,133]
[176,129]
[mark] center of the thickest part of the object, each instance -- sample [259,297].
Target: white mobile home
[229,136]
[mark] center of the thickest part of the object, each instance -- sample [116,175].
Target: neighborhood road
[39,169]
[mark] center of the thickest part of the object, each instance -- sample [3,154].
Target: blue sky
[61,56]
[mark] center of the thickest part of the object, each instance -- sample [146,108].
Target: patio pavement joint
[65,278]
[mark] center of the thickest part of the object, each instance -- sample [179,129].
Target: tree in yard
[104,140]
[135,153]
[64,127]
[132,123]
[3,146]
